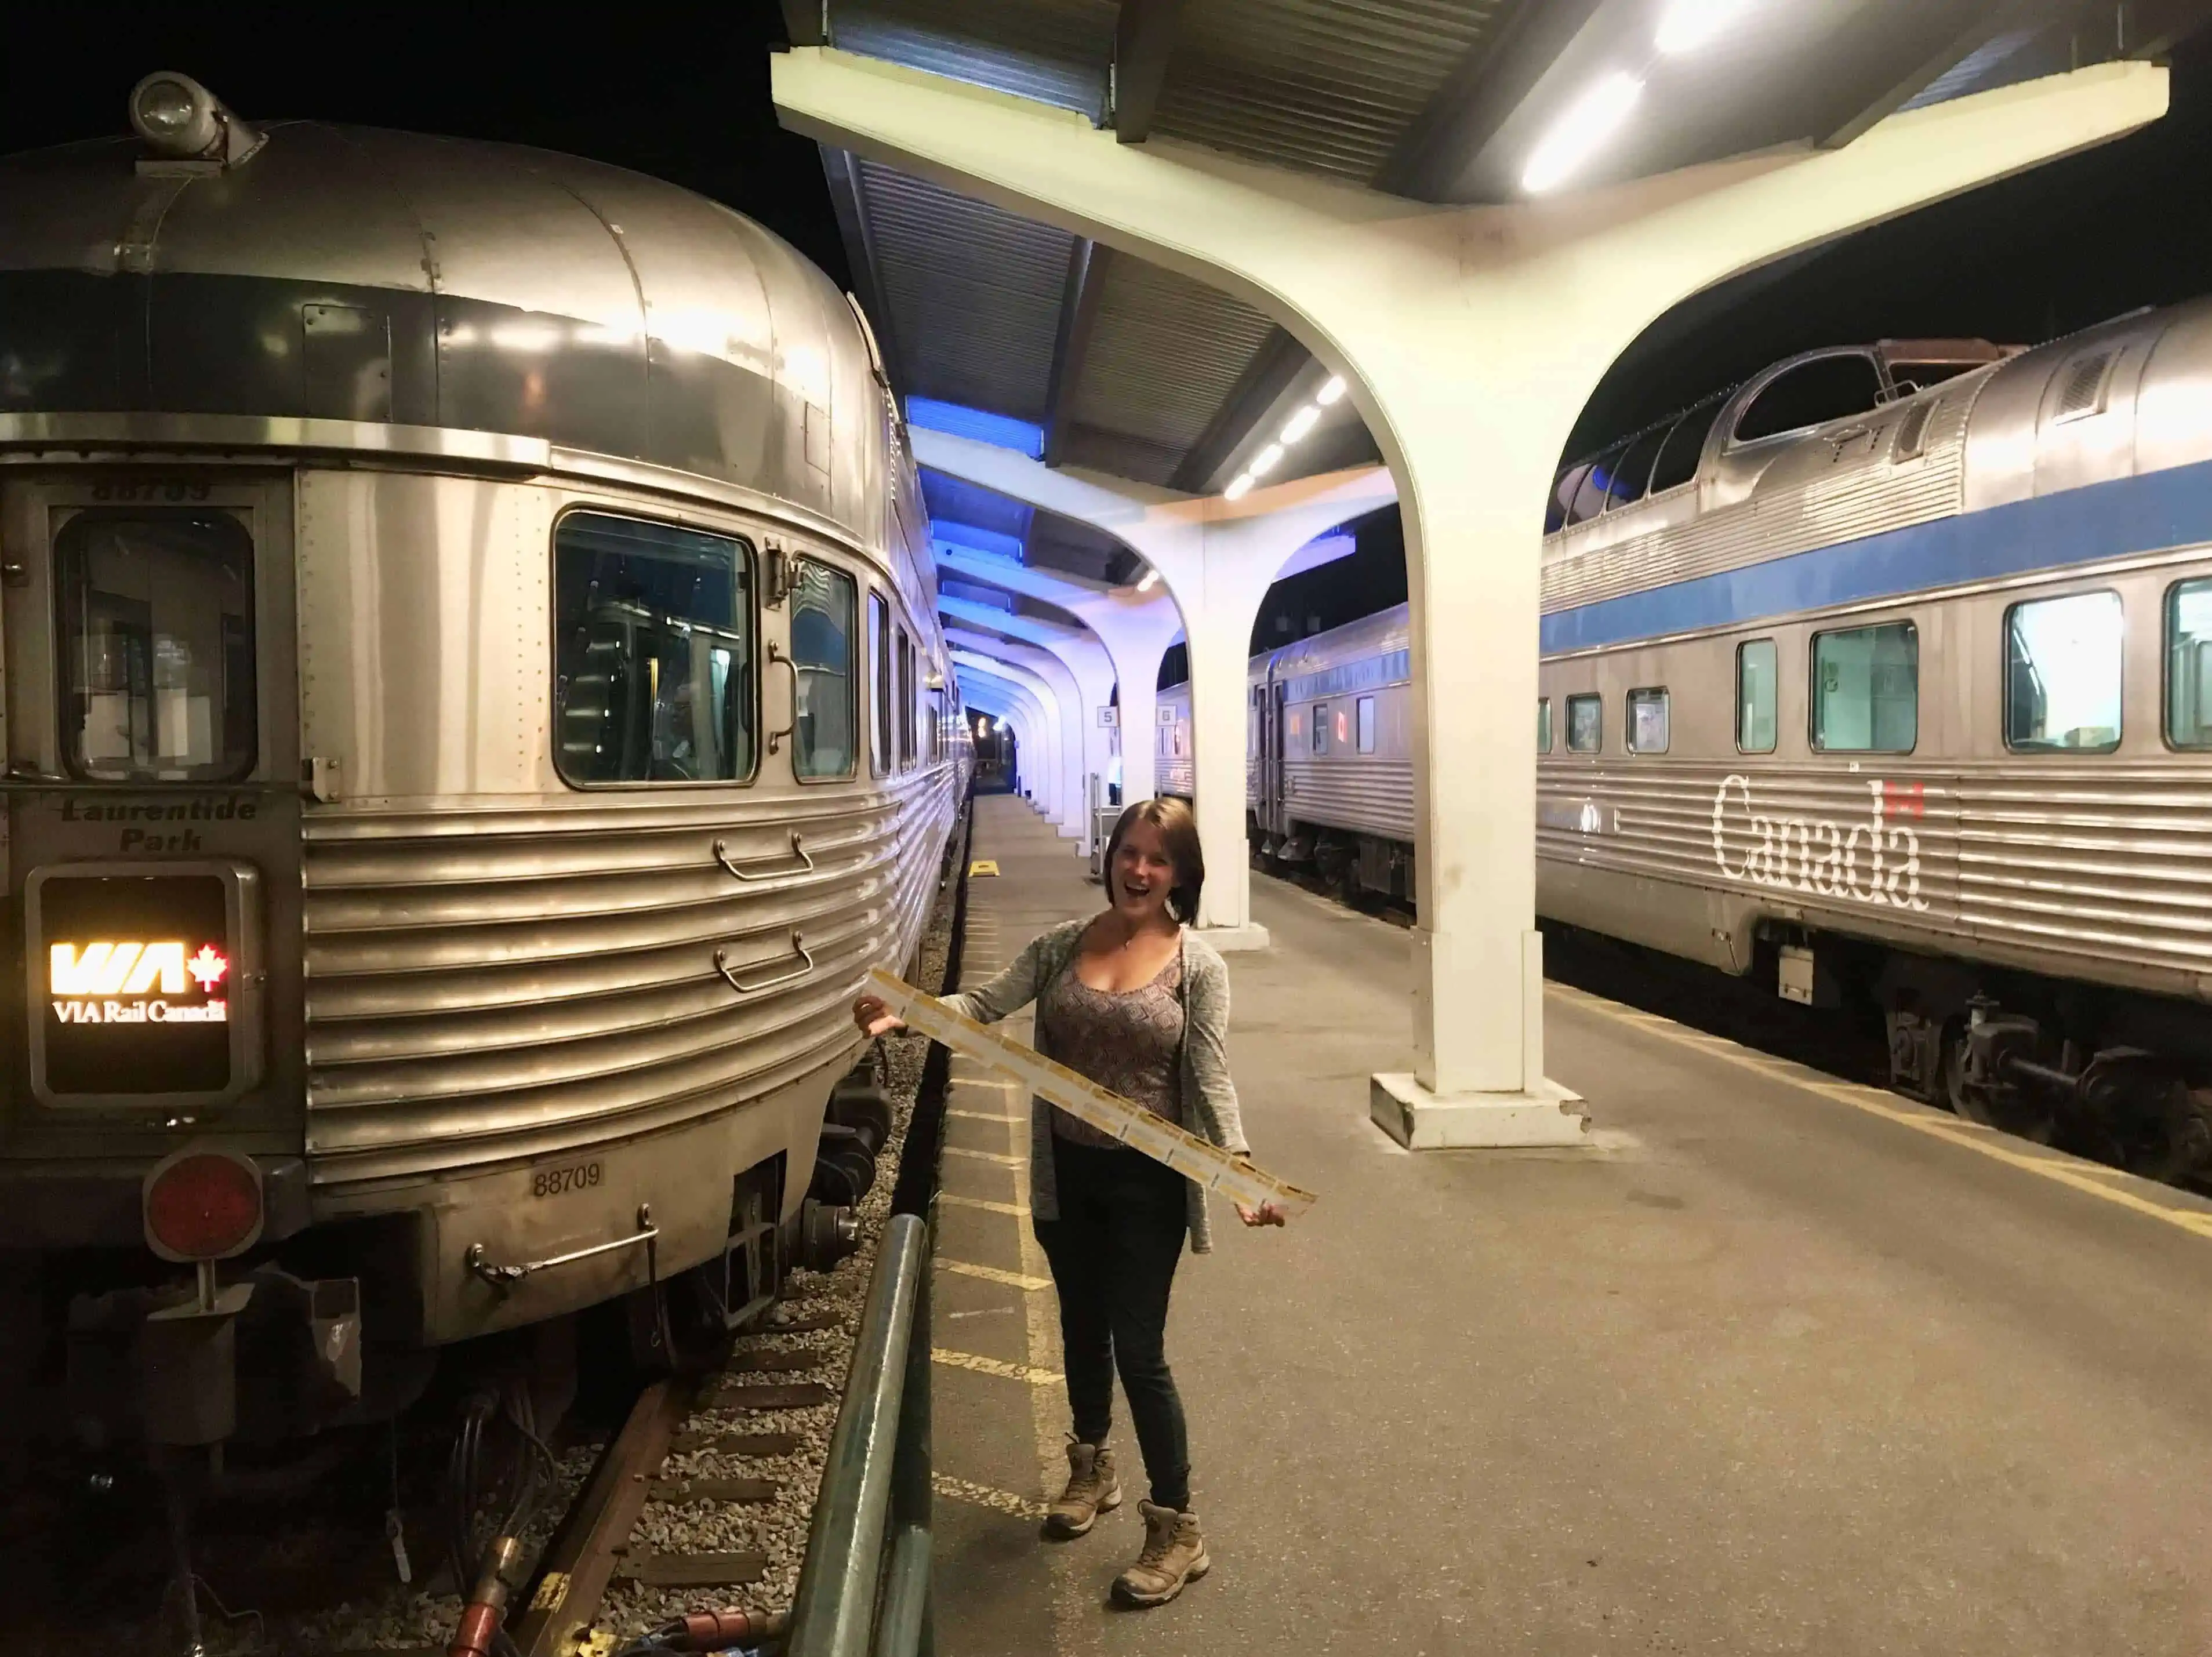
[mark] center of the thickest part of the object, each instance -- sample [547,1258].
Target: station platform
[1779,1365]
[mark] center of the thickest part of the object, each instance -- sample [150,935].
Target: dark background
[683,94]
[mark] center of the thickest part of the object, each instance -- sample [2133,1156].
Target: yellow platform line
[984,1116]
[986,1156]
[983,1203]
[992,1274]
[982,1495]
[1000,1367]
[2090,1178]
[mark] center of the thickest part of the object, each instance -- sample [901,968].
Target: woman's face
[1143,874]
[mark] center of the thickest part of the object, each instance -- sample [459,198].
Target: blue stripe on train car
[2161,509]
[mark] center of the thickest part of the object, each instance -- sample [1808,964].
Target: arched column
[1069,808]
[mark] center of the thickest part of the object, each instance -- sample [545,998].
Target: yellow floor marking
[2055,1166]
[991,1274]
[986,1156]
[998,1367]
[984,1116]
[980,867]
[1000,1083]
[982,1495]
[985,1203]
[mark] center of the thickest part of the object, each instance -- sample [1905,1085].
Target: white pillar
[1471,338]
[1135,628]
[1068,809]
[1004,702]
[1217,557]
[1049,774]
[1085,660]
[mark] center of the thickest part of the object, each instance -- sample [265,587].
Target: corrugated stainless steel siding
[974,292]
[1054,51]
[2100,870]
[1325,85]
[1367,793]
[486,984]
[1857,504]
[1165,353]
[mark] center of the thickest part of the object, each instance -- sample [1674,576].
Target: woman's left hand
[1266,1214]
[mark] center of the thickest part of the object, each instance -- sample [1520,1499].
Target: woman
[1135,1001]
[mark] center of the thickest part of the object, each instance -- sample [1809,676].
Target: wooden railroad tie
[791,1395]
[692,1570]
[718,1442]
[774,1363]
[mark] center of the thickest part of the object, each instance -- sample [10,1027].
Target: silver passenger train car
[475,711]
[1886,674]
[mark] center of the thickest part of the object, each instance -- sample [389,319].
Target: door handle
[738,983]
[805,865]
[775,737]
[504,1277]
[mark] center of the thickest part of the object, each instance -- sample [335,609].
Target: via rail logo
[130,983]
[1876,861]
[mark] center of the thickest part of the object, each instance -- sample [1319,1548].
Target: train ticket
[1131,1122]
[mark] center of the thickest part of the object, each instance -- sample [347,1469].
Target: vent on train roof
[2082,392]
[1912,430]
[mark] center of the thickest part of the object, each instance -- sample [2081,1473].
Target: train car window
[1563,495]
[1585,724]
[879,655]
[906,699]
[1826,388]
[2064,663]
[1631,477]
[825,736]
[1866,690]
[1590,493]
[653,658]
[1320,728]
[1647,720]
[1684,447]
[1756,687]
[1910,377]
[1365,719]
[2189,664]
[158,610]
[1543,725]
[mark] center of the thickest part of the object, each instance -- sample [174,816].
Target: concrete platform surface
[1782,1365]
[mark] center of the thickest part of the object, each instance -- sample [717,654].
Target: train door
[154,801]
[1273,819]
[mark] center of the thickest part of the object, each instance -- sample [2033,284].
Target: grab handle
[504,1277]
[741,870]
[799,948]
[775,737]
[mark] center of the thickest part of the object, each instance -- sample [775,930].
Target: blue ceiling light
[956,419]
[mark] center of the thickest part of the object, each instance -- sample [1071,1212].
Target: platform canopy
[1099,360]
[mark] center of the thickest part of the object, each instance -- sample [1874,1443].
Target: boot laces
[1158,1539]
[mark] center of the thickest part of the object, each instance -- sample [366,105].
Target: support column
[1068,809]
[1217,557]
[1048,774]
[1001,702]
[1470,339]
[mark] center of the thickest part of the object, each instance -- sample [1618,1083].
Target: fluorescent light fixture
[1266,461]
[1152,579]
[1581,132]
[1688,24]
[1330,392]
[1239,486]
[1300,423]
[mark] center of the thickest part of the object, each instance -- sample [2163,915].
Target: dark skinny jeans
[1114,1249]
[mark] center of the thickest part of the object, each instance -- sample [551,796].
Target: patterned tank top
[1128,1041]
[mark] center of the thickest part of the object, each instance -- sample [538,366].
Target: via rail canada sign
[1876,860]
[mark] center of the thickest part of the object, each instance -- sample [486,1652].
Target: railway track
[691,1495]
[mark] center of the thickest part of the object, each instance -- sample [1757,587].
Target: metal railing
[871,1519]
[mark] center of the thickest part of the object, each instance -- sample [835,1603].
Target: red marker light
[202,1205]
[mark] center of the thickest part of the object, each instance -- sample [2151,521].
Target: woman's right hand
[874,1017]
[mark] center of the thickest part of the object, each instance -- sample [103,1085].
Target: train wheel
[2030,1121]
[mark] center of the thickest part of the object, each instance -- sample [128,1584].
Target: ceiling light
[1300,423]
[1332,390]
[1152,579]
[1241,487]
[1689,24]
[1581,132]
[1266,461]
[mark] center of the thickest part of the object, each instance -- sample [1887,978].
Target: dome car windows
[1811,394]
[653,659]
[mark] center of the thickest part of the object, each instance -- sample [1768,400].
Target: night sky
[683,94]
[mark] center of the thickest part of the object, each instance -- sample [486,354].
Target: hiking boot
[1092,1489]
[1174,1553]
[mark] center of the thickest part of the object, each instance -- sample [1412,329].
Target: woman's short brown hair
[1179,832]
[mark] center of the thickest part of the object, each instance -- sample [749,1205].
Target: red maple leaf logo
[208,967]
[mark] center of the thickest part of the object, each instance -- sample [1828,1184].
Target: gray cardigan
[1207,1096]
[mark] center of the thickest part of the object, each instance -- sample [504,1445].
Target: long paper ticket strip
[1131,1122]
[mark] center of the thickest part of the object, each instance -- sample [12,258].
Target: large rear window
[157,623]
